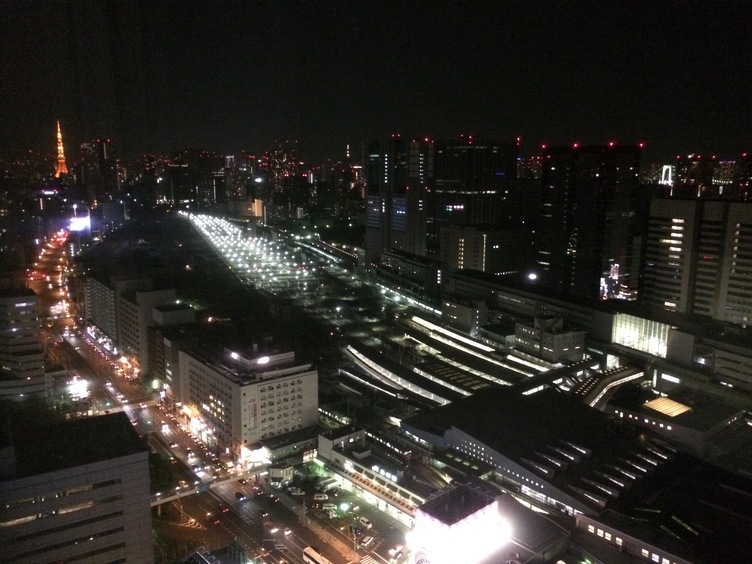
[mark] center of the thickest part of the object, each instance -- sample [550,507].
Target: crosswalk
[369,560]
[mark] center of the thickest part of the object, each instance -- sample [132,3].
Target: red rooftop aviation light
[642,145]
[610,143]
[576,145]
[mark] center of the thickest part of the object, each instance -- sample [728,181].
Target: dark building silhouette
[586,242]
[473,186]
[98,171]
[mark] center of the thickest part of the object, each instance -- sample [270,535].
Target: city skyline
[236,76]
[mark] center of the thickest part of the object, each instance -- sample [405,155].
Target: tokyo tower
[61,168]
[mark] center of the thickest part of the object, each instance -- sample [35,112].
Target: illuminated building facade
[238,399]
[134,313]
[101,301]
[398,175]
[21,356]
[493,250]
[61,168]
[78,491]
[460,525]
[585,241]
[697,258]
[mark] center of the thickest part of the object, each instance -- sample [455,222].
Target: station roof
[675,500]
[686,406]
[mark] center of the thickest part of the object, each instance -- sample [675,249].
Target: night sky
[228,76]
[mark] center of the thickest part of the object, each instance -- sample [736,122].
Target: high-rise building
[697,258]
[473,183]
[585,240]
[61,168]
[398,176]
[76,491]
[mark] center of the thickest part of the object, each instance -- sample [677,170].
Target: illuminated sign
[79,223]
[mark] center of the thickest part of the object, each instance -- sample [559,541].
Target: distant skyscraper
[61,168]
[473,179]
[694,176]
[585,242]
[743,177]
[98,170]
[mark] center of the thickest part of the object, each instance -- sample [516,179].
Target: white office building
[236,399]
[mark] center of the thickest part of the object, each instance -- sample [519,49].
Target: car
[320,497]
[173,444]
[242,481]
[274,530]
[222,508]
[212,518]
[365,542]
[396,550]
[273,498]
[363,522]
[287,531]
[240,496]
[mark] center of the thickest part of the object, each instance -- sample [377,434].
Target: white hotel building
[237,399]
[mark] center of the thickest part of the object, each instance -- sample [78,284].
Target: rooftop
[686,406]
[74,443]
[456,504]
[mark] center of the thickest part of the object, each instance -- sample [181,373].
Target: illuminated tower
[61,168]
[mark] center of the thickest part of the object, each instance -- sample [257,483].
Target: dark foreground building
[75,491]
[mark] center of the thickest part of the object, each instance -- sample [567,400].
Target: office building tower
[398,174]
[75,491]
[61,168]
[586,240]
[697,258]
